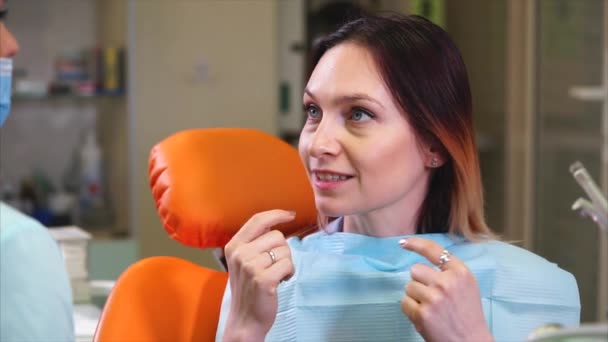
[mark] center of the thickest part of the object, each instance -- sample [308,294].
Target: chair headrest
[208,182]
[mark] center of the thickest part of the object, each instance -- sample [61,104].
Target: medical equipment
[596,210]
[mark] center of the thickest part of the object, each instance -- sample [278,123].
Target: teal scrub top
[348,287]
[35,292]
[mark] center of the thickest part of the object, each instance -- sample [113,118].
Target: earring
[434,162]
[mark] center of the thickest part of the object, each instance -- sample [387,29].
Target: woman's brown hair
[427,77]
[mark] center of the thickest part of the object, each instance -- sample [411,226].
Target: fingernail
[402,243]
[292,213]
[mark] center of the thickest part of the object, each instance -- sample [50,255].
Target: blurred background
[99,82]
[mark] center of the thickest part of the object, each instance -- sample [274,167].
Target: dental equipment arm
[597,209]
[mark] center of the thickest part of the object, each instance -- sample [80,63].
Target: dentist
[35,294]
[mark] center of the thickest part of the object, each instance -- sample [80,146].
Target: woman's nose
[9,46]
[324,142]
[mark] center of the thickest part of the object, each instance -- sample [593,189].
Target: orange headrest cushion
[208,182]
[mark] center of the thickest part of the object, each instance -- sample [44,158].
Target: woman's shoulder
[509,257]
[521,275]
[510,253]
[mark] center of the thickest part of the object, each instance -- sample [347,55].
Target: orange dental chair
[206,184]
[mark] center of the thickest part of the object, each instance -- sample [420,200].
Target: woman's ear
[433,158]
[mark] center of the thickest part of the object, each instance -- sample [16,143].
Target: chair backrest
[206,184]
[162,299]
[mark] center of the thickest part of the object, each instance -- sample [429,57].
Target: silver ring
[444,258]
[273,257]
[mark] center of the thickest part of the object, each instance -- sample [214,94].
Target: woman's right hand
[255,275]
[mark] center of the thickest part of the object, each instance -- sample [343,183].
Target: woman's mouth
[324,180]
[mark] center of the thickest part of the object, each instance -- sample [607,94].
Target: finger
[281,270]
[424,274]
[257,264]
[264,260]
[263,243]
[429,249]
[260,223]
[267,241]
[421,293]
[409,306]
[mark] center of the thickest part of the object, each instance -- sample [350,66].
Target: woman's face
[8,44]
[360,152]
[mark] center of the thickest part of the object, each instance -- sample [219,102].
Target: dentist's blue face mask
[6,71]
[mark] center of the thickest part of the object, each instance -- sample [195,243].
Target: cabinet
[42,137]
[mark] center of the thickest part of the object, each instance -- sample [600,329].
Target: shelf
[71,98]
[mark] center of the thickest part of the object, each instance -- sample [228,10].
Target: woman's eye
[313,112]
[360,115]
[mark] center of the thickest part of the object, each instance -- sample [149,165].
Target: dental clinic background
[97,83]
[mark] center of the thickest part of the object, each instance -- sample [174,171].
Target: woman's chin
[329,209]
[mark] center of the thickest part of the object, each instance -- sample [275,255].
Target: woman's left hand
[444,304]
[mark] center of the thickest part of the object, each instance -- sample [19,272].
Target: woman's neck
[382,224]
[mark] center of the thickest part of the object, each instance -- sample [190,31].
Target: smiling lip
[327,179]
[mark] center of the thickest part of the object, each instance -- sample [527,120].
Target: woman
[389,147]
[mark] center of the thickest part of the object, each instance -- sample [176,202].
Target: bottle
[91,187]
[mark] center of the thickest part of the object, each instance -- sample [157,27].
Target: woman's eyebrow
[348,98]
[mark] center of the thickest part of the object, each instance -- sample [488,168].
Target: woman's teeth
[331,177]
